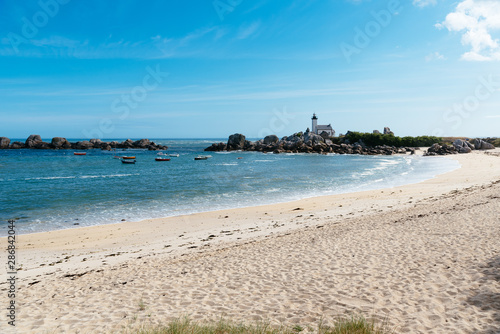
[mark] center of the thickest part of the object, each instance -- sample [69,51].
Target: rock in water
[236,142]
[97,143]
[271,139]
[143,143]
[42,146]
[129,143]
[83,145]
[32,141]
[216,147]
[60,142]
[17,145]
[4,142]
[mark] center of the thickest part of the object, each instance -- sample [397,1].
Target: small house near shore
[319,129]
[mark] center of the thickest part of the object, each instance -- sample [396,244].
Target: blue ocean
[54,189]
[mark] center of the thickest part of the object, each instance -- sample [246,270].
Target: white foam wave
[50,178]
[79,177]
[105,176]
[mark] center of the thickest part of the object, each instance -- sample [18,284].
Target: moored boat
[128,161]
[174,155]
[80,153]
[202,157]
[162,159]
[129,158]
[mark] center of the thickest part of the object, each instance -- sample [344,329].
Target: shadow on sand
[486,300]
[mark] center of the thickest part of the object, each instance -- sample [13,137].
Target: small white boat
[174,155]
[202,157]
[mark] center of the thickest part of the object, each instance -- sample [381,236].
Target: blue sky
[184,69]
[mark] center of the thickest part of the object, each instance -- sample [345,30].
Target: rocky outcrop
[305,143]
[35,142]
[462,146]
[143,143]
[217,147]
[376,132]
[17,145]
[42,146]
[480,144]
[32,141]
[4,142]
[271,139]
[459,146]
[129,143]
[235,142]
[387,131]
[83,145]
[437,149]
[60,143]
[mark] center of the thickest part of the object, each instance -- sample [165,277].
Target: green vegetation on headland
[379,139]
[347,325]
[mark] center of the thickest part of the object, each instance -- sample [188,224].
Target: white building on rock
[319,129]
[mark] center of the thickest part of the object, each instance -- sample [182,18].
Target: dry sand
[423,256]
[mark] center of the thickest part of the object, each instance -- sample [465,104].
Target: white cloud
[424,3]
[246,31]
[434,56]
[478,20]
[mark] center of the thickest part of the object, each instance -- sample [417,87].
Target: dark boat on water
[162,159]
[128,161]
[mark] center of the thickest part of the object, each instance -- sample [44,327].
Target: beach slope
[425,257]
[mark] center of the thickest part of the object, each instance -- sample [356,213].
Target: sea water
[54,189]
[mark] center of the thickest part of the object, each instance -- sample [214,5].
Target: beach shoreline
[87,252]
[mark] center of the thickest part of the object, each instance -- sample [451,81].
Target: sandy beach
[424,257]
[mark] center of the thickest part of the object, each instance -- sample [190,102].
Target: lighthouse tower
[314,124]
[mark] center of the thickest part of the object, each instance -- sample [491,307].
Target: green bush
[355,324]
[375,139]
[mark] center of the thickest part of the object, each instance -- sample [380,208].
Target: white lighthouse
[319,129]
[314,123]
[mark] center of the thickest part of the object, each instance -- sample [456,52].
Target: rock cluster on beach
[307,142]
[35,142]
[459,146]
